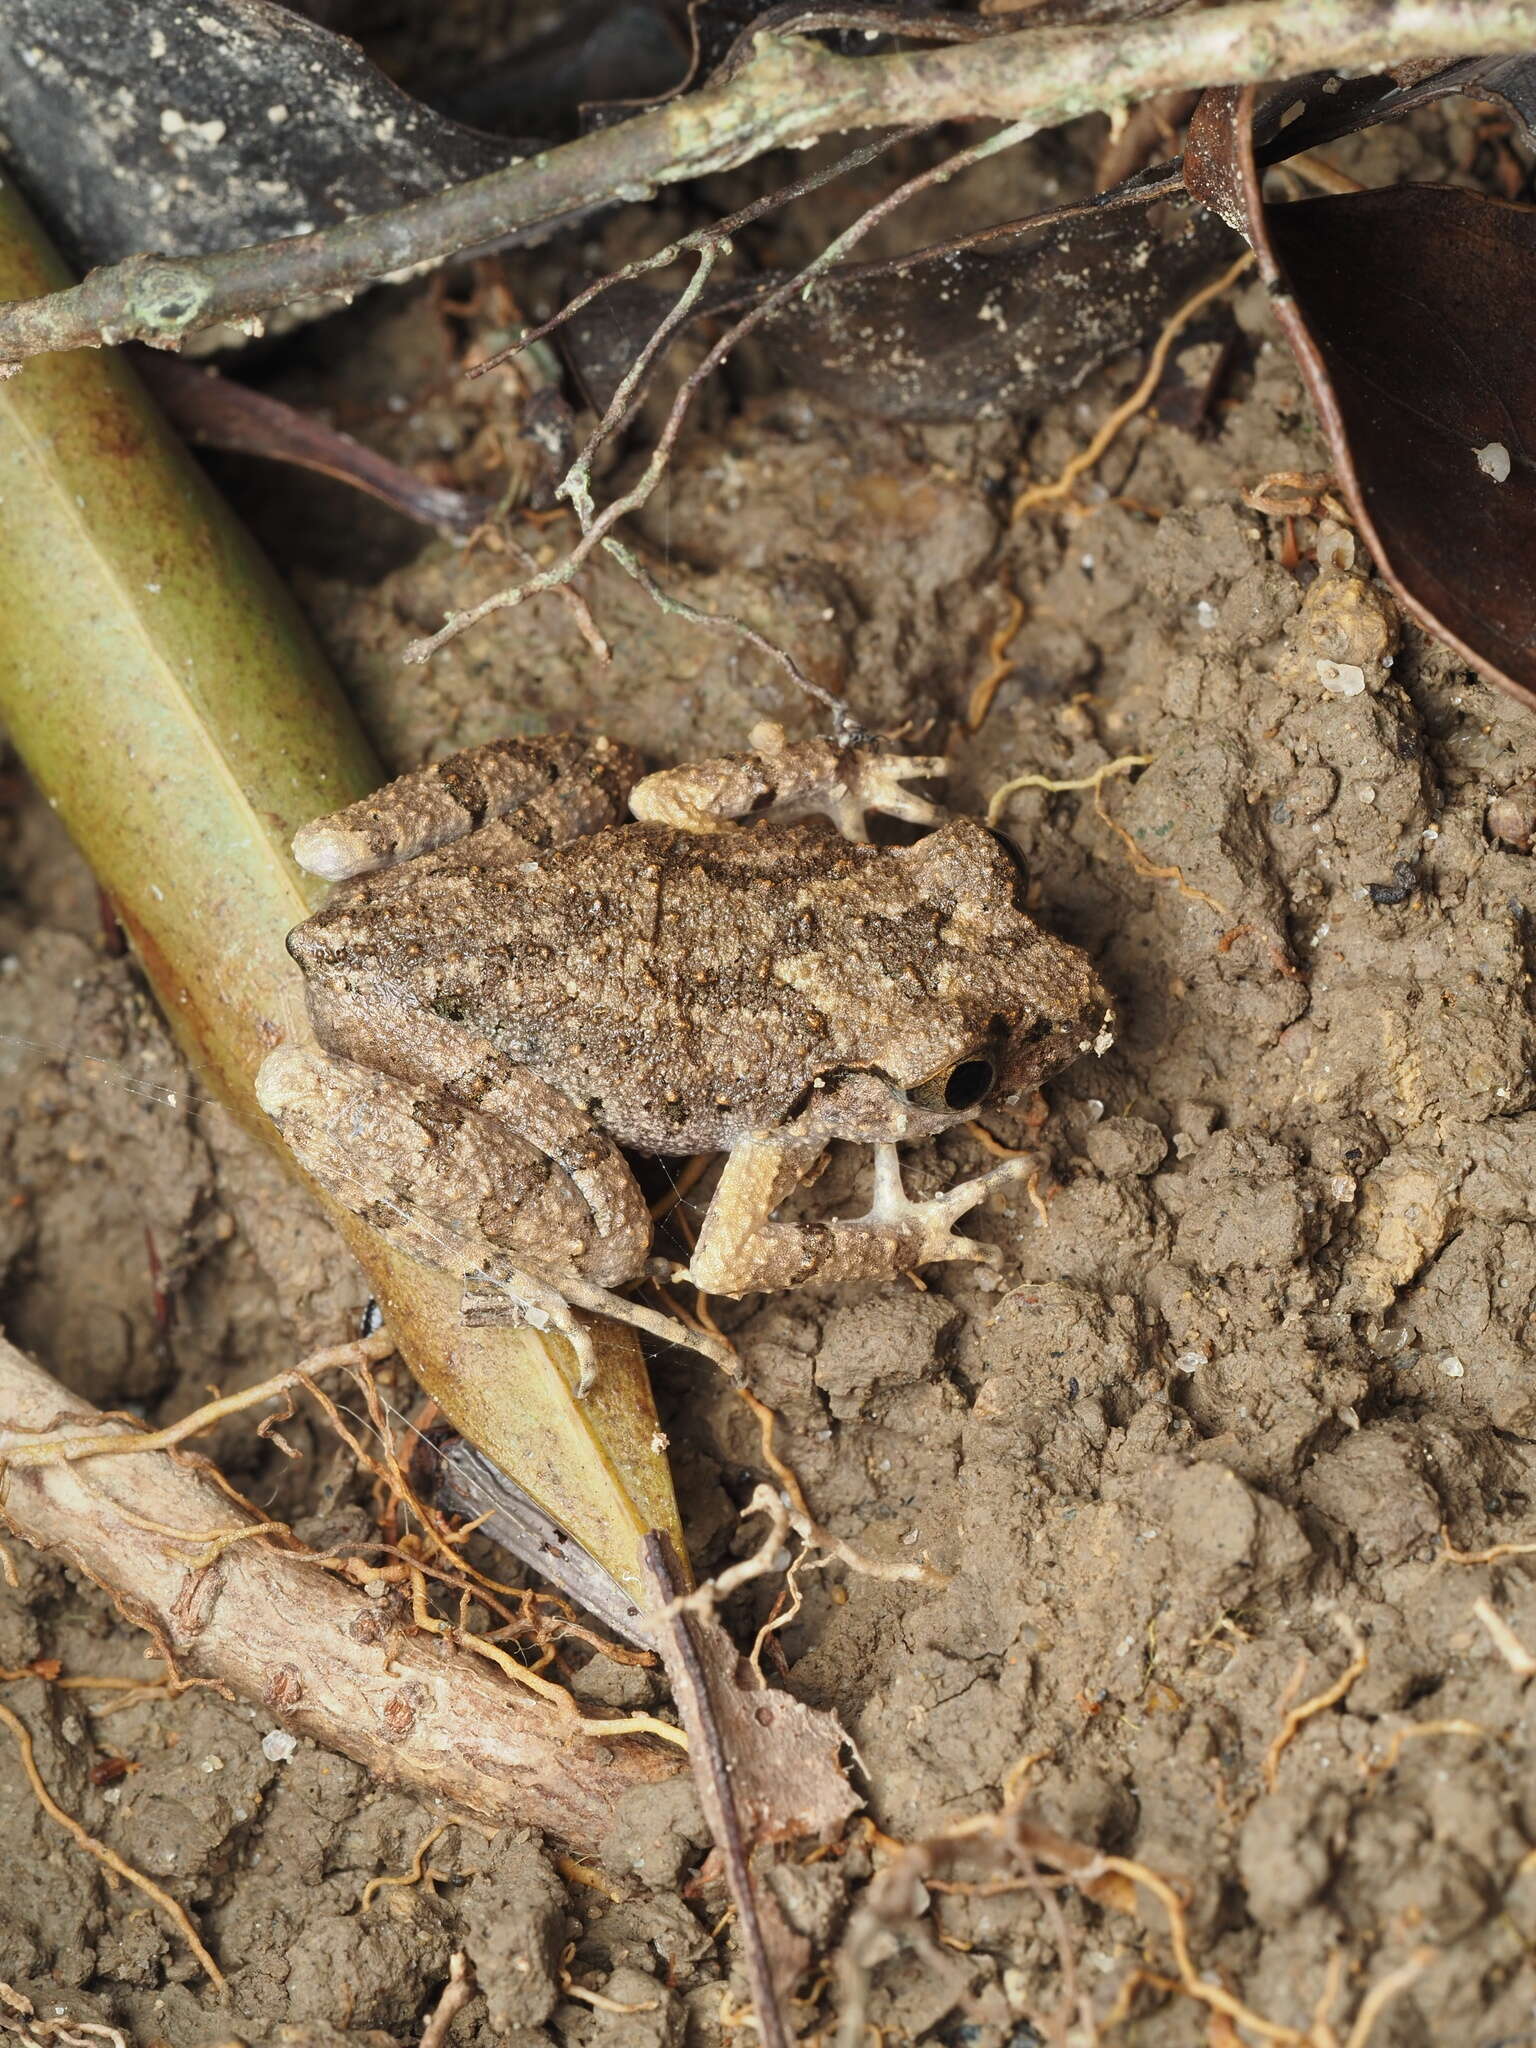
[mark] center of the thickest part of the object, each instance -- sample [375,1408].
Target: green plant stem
[167,697]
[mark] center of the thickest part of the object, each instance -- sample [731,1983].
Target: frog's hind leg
[471,1195]
[560,785]
[744,1249]
[502,1293]
[790,779]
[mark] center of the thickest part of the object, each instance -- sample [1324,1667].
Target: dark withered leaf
[1332,107]
[1307,113]
[1398,305]
[593,53]
[982,332]
[713,30]
[720,34]
[186,126]
[968,332]
[767,1767]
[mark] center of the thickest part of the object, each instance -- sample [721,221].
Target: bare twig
[810,1531]
[1421,1731]
[54,1449]
[596,527]
[1001,658]
[456,1994]
[789,92]
[418,1873]
[1122,764]
[843,723]
[712,1774]
[1297,1717]
[19,2016]
[1020,1849]
[1494,1554]
[217,412]
[715,236]
[1382,1993]
[706,1597]
[574,486]
[599,2000]
[312,1649]
[1505,1641]
[1085,459]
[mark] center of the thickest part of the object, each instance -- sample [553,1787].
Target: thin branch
[596,527]
[107,1857]
[457,1993]
[313,1650]
[712,1776]
[574,485]
[844,724]
[714,236]
[789,93]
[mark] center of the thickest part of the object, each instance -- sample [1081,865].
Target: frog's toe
[878,782]
[928,1221]
[515,1299]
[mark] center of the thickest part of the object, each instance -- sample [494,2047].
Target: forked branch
[258,1620]
[789,93]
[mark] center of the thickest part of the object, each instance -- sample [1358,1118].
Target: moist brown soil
[1186,1456]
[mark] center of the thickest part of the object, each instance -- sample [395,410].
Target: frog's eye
[959,1087]
[1014,855]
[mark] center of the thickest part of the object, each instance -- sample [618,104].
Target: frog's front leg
[558,786]
[789,779]
[744,1249]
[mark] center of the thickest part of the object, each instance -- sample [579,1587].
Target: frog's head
[952,998]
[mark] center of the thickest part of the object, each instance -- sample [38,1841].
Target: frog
[537,960]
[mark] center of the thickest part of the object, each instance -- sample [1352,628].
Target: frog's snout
[285,1077]
[303,943]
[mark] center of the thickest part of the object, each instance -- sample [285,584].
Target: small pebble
[1344,678]
[1405,880]
[1512,817]
[277,1745]
[1493,460]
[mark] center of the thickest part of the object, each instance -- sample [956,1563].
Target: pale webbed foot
[926,1224]
[878,782]
[745,1248]
[787,779]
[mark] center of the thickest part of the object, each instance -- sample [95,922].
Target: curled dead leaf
[1396,305]
[768,1770]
